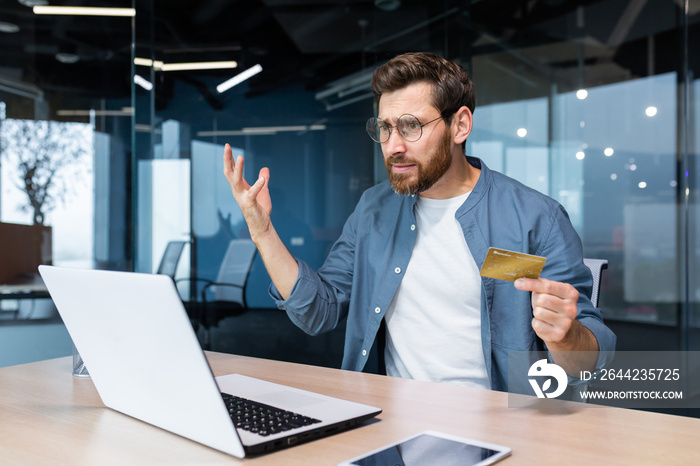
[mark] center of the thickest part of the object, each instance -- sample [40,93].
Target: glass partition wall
[593,103]
[112,135]
[65,131]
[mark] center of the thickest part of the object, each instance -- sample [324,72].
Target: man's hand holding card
[554,304]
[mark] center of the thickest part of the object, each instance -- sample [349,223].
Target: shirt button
[364,352]
[397,270]
[413,227]
[377,310]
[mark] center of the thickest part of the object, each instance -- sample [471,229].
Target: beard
[429,171]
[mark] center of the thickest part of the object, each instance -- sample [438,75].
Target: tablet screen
[432,449]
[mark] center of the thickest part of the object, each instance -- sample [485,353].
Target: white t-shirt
[434,321]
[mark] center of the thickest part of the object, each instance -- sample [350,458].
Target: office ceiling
[316,42]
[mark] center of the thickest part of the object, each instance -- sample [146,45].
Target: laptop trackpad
[288,399]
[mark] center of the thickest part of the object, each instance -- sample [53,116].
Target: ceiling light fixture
[148,62]
[276,129]
[190,66]
[387,5]
[32,3]
[125,111]
[144,83]
[211,65]
[239,78]
[8,28]
[83,11]
[581,94]
[67,57]
[261,131]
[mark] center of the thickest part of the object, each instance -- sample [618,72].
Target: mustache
[401,159]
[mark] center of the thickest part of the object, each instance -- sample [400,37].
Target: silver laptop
[145,361]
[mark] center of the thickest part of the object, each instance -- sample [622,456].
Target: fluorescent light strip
[144,83]
[208,134]
[261,131]
[273,129]
[239,78]
[126,111]
[212,65]
[148,62]
[205,65]
[83,11]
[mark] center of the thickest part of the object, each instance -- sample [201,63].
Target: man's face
[414,167]
[428,169]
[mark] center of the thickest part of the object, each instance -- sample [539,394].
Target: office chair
[229,289]
[168,266]
[596,266]
[170,259]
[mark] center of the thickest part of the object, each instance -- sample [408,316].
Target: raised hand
[256,206]
[254,200]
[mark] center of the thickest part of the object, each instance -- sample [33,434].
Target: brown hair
[452,87]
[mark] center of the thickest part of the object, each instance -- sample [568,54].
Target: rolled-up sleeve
[313,305]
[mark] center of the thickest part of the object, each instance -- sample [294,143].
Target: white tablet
[432,447]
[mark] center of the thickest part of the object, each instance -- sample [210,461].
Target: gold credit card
[510,265]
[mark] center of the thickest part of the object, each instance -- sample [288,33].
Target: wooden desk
[49,417]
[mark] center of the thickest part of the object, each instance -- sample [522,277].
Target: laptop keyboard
[263,419]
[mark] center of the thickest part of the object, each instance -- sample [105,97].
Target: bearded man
[405,271]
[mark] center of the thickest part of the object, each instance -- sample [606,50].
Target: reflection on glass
[48,180]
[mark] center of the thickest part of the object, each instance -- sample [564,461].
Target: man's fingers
[232,169]
[238,169]
[256,188]
[228,161]
[544,286]
[553,315]
[548,301]
[549,331]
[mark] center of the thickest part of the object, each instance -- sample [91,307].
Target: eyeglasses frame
[422,125]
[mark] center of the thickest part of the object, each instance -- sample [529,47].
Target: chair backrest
[596,266]
[235,269]
[170,259]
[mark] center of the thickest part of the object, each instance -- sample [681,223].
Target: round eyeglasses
[410,128]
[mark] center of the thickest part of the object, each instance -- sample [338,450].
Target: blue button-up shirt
[365,266]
